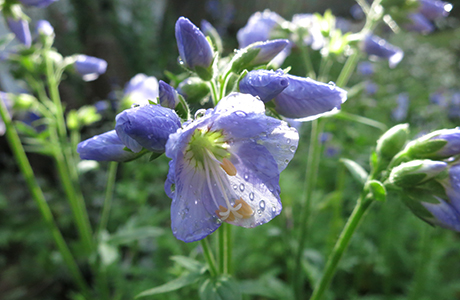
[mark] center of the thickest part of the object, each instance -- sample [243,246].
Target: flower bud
[258,28]
[194,49]
[392,141]
[264,84]
[44,27]
[257,54]
[439,144]
[373,45]
[37,3]
[168,95]
[419,23]
[415,172]
[147,126]
[193,89]
[105,147]
[90,67]
[20,28]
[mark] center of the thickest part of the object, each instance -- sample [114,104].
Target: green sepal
[413,199]
[377,191]
[154,156]
[182,109]
[194,89]
[426,148]
[392,141]
[204,73]
[243,58]
[355,169]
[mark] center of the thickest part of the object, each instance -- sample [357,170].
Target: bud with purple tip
[374,45]
[168,95]
[44,27]
[20,28]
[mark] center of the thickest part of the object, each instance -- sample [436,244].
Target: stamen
[240,210]
[228,167]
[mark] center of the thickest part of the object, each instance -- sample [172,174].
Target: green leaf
[129,235]
[188,263]
[221,288]
[377,190]
[154,156]
[355,169]
[178,283]
[108,253]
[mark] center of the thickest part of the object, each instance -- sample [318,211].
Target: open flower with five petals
[225,167]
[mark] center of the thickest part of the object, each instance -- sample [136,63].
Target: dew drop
[259,211]
[288,141]
[292,148]
[331,85]
[246,176]
[273,209]
[270,188]
[240,114]
[262,204]
[251,196]
[200,113]
[235,186]
[241,187]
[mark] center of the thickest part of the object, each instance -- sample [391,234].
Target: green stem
[359,119]
[314,153]
[209,257]
[342,243]
[306,58]
[111,176]
[324,68]
[226,79]
[228,243]
[37,194]
[223,249]
[348,69]
[420,273]
[214,92]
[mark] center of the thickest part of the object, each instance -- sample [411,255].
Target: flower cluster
[428,177]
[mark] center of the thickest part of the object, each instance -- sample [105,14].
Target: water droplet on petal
[235,186]
[241,114]
[292,148]
[200,113]
[262,204]
[246,176]
[251,196]
[241,187]
[288,141]
[331,85]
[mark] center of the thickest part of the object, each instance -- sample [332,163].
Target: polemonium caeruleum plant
[226,161]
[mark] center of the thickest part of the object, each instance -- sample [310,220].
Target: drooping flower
[147,126]
[301,98]
[90,67]
[195,51]
[438,144]
[376,46]
[44,27]
[225,167]
[168,95]
[105,147]
[433,9]
[140,89]
[37,3]
[258,28]
[20,28]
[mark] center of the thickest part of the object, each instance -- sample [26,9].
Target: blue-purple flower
[90,67]
[365,68]
[225,167]
[402,108]
[376,46]
[140,89]
[258,28]
[439,144]
[194,49]
[147,126]
[20,28]
[105,147]
[301,98]
[168,95]
[419,23]
[433,9]
[37,3]
[44,27]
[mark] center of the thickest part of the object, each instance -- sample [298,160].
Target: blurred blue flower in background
[140,89]
[400,112]
[434,9]
[37,3]
[20,28]
[370,87]
[376,46]
[8,103]
[225,167]
[90,67]
[258,28]
[44,27]
[365,68]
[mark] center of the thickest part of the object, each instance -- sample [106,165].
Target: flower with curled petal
[90,67]
[105,147]
[225,167]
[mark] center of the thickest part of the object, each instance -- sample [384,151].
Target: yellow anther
[245,211]
[228,167]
